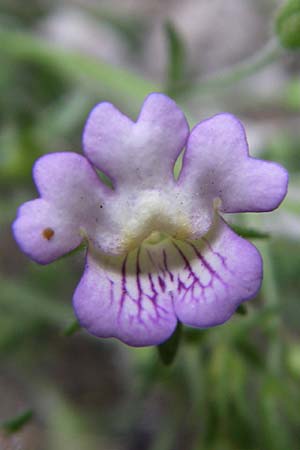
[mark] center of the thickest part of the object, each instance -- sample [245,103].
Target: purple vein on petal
[138,284]
[162,285]
[152,287]
[123,286]
[165,260]
[188,265]
[111,291]
[153,298]
[213,272]
[192,274]
[156,264]
[221,257]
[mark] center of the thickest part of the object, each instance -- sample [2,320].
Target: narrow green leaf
[105,179]
[63,115]
[76,66]
[251,353]
[178,166]
[71,329]
[168,349]
[249,232]
[176,56]
[234,73]
[16,423]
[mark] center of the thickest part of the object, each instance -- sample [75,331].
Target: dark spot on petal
[48,233]
[101,206]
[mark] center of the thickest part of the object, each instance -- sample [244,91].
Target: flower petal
[217,165]
[69,181]
[139,153]
[219,272]
[125,297]
[74,203]
[43,233]
[137,297]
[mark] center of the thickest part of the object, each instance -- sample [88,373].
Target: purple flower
[158,249]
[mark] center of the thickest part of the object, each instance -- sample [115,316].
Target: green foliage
[168,349]
[75,67]
[17,423]
[72,328]
[249,233]
[292,94]
[241,310]
[235,386]
[288,25]
[176,67]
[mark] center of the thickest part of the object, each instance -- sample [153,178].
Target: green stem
[237,72]
[271,295]
[80,67]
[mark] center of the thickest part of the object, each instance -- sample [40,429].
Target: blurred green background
[232,387]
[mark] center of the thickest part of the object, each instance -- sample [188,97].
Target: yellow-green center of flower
[154,217]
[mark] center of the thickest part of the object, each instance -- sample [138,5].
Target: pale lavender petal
[74,204]
[217,165]
[69,181]
[218,273]
[44,233]
[139,153]
[127,298]
[138,297]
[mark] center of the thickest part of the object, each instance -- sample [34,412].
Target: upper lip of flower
[218,176]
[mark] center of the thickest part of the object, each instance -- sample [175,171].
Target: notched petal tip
[224,127]
[60,176]
[128,151]
[158,106]
[104,137]
[217,164]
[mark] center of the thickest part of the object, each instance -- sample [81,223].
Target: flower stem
[271,294]
[237,72]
